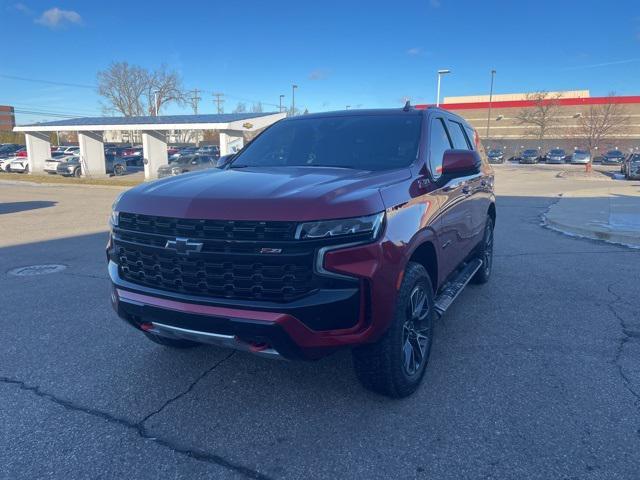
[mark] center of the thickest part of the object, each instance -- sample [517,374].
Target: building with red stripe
[502,126]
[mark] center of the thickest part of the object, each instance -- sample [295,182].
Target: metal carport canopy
[229,125]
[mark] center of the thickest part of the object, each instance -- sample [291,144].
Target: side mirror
[459,163]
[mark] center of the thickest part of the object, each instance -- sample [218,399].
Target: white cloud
[55,17]
[434,3]
[414,51]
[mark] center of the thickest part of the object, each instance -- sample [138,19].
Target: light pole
[293,99]
[281,97]
[493,74]
[440,74]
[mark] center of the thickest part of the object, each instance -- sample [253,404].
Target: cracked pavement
[535,375]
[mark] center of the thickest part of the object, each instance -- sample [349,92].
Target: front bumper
[308,328]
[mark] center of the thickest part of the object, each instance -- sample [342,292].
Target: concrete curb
[628,240]
[597,224]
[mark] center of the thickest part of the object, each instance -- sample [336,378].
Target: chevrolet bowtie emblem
[183,246]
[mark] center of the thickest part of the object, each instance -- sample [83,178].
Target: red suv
[350,229]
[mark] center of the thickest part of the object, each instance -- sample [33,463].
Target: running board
[455,286]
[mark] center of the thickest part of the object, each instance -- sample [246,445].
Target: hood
[281,193]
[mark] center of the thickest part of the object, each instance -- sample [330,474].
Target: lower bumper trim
[220,340]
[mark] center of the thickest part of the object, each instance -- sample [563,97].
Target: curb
[628,240]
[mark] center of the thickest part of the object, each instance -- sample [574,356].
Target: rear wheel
[394,366]
[170,342]
[77,172]
[118,170]
[485,254]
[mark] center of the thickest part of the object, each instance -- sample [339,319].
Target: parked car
[613,157]
[51,165]
[631,167]
[213,150]
[70,167]
[183,151]
[300,247]
[529,156]
[556,155]
[115,165]
[19,165]
[69,149]
[581,157]
[9,150]
[5,163]
[495,156]
[22,152]
[187,163]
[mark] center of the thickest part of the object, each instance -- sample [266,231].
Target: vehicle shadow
[15,207]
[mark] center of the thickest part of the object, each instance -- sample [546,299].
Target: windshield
[495,152]
[581,152]
[635,158]
[530,152]
[365,142]
[614,153]
[557,152]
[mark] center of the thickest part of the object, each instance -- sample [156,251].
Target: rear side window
[458,136]
[439,143]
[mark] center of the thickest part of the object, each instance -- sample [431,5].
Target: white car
[5,162]
[51,165]
[19,164]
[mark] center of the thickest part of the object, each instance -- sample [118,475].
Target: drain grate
[32,270]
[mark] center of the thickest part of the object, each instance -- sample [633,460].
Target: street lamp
[440,73]
[293,99]
[281,97]
[493,74]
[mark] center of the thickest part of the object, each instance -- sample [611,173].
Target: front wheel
[485,254]
[77,172]
[394,366]
[118,170]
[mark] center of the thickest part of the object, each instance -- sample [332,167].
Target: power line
[48,82]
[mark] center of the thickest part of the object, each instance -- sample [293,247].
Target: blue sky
[358,53]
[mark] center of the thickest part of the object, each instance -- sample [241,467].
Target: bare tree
[542,116]
[163,86]
[601,122]
[240,108]
[123,85]
[256,107]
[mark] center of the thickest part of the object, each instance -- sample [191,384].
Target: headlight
[341,228]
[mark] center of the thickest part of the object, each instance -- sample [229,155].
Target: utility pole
[493,74]
[219,100]
[281,97]
[293,99]
[195,99]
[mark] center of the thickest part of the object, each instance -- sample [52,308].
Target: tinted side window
[458,136]
[438,144]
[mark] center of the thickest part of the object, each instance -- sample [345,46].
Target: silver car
[581,157]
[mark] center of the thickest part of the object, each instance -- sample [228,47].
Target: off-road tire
[381,366]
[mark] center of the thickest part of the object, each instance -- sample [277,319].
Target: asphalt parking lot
[535,375]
